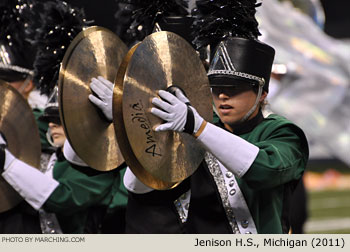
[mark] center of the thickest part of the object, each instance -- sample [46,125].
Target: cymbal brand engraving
[140,117]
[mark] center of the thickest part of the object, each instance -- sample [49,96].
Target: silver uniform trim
[44,161]
[50,165]
[215,170]
[237,202]
[49,223]
[182,205]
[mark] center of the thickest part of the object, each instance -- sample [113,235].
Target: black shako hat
[181,25]
[241,61]
[17,52]
[51,111]
[231,30]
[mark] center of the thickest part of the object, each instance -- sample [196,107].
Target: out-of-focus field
[328,201]
[329,212]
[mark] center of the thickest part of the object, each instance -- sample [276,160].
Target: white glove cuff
[71,156]
[34,186]
[133,184]
[235,153]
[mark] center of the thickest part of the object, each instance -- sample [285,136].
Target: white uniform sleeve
[133,184]
[34,186]
[235,153]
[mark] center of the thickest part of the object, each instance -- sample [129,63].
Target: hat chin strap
[24,85]
[50,140]
[250,112]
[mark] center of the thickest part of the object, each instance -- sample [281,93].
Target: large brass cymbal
[163,59]
[18,124]
[94,52]
[120,130]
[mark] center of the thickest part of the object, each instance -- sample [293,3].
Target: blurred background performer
[81,197]
[17,49]
[253,163]
[141,18]
[19,21]
[17,54]
[124,17]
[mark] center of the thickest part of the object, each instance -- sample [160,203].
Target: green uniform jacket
[281,161]
[81,190]
[266,188]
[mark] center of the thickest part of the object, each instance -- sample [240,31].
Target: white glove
[104,95]
[71,156]
[174,112]
[179,94]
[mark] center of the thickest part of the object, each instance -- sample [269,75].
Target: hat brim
[50,118]
[12,75]
[51,114]
[223,80]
